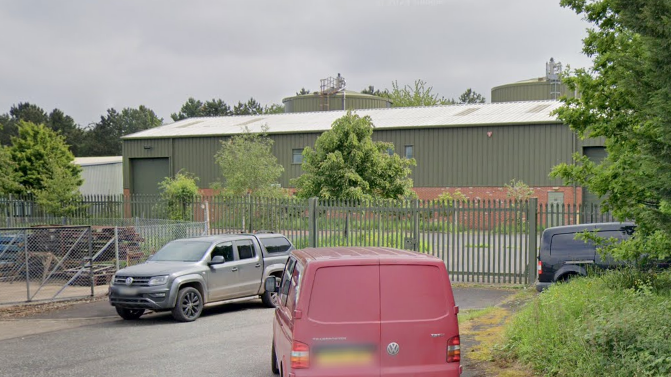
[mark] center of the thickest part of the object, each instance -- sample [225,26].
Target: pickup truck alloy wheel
[268,299]
[129,314]
[189,305]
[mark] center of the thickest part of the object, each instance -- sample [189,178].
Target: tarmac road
[89,340]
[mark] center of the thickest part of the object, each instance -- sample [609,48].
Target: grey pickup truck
[186,274]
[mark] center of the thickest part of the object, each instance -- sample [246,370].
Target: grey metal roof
[534,112]
[87,161]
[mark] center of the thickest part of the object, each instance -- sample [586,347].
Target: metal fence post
[415,228]
[93,282]
[312,222]
[532,218]
[116,247]
[250,204]
[25,249]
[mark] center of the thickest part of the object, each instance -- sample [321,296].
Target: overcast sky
[87,56]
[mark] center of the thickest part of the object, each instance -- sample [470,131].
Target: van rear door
[417,320]
[342,328]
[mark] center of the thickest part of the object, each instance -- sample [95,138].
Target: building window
[409,153]
[297,156]
[390,151]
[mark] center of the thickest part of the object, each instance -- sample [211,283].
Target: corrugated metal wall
[104,179]
[446,157]
[527,91]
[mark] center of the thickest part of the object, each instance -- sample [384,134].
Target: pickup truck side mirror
[217,259]
[271,284]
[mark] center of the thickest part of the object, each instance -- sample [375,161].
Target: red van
[364,312]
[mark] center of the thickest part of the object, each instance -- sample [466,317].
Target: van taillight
[300,355]
[454,350]
[540,267]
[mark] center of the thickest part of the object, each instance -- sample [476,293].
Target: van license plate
[340,357]
[126,291]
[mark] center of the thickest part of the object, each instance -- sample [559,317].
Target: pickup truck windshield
[181,251]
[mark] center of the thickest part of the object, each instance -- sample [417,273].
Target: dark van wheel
[129,314]
[189,305]
[273,361]
[268,299]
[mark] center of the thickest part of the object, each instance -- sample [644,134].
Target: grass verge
[614,324]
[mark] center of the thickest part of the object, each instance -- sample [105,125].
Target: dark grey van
[562,256]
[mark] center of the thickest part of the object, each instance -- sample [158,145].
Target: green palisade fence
[481,241]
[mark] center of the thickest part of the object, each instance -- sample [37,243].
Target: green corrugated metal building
[475,147]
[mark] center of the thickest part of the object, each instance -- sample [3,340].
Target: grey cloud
[84,56]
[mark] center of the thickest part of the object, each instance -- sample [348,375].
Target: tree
[375,92]
[274,109]
[38,152]
[105,137]
[24,111]
[60,195]
[248,165]
[417,95]
[303,91]
[251,107]
[347,164]
[625,98]
[66,126]
[177,193]
[196,109]
[469,96]
[8,177]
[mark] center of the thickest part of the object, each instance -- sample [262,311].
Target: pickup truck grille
[138,281]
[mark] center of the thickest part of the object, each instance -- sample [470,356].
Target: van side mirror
[271,284]
[217,259]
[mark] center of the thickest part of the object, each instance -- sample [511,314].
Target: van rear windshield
[413,292]
[276,244]
[345,294]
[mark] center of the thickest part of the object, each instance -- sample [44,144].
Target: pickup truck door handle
[257,265]
[234,269]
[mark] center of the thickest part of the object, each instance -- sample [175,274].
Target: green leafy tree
[625,98]
[347,164]
[303,91]
[105,137]
[418,95]
[251,107]
[192,108]
[37,152]
[66,126]
[60,195]
[24,111]
[177,193]
[8,177]
[375,92]
[215,108]
[470,96]
[248,165]
[274,109]
[518,190]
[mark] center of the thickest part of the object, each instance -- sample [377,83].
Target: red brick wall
[499,193]
[472,193]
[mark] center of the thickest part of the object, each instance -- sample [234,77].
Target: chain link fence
[46,262]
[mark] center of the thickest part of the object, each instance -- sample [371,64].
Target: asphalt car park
[90,340]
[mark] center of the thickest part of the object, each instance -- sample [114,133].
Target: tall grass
[615,324]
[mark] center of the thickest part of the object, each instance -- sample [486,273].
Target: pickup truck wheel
[129,314]
[268,299]
[273,361]
[189,305]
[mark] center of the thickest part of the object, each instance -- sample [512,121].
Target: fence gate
[46,263]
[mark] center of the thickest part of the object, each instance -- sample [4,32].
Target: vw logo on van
[129,280]
[393,348]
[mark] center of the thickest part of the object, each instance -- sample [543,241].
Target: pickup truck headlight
[158,280]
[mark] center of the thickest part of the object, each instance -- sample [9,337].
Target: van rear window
[345,294]
[412,292]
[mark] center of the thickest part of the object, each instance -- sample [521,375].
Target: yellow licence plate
[344,358]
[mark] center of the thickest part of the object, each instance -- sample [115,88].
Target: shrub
[615,324]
